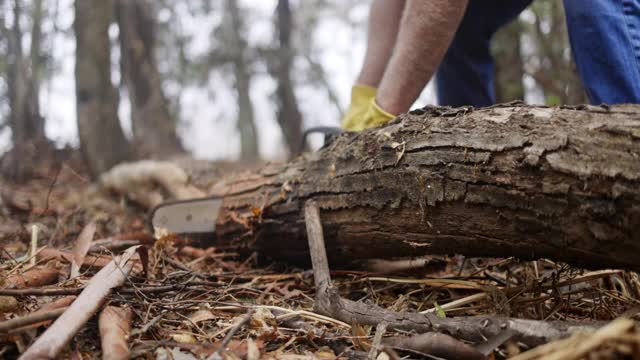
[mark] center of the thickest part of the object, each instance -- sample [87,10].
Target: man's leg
[605,40]
[465,76]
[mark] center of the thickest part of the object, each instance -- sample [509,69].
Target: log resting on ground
[523,181]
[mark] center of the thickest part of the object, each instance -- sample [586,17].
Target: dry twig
[51,343]
[328,302]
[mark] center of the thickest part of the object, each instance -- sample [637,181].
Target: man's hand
[364,112]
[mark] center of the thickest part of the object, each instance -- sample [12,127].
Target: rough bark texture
[101,138]
[154,129]
[522,181]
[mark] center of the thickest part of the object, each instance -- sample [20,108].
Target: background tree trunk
[551,65]
[509,64]
[101,138]
[246,125]
[27,126]
[523,181]
[288,114]
[154,129]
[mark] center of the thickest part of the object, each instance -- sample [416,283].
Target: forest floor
[195,301]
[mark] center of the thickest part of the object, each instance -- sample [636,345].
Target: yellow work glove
[364,112]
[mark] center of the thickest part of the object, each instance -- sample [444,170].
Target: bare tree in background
[552,65]
[101,138]
[506,49]
[23,85]
[288,114]
[236,46]
[154,129]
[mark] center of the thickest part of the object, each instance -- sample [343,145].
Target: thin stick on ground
[56,304]
[376,345]
[37,317]
[216,355]
[52,341]
[328,302]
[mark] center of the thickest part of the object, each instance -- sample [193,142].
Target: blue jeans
[604,37]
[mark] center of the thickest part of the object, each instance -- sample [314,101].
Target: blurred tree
[288,113]
[101,137]
[506,50]
[23,87]
[236,48]
[551,64]
[154,129]
[311,13]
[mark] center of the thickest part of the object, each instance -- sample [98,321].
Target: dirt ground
[204,302]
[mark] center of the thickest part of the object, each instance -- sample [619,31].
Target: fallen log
[476,329]
[524,181]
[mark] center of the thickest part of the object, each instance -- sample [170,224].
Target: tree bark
[101,137]
[154,129]
[523,181]
[27,126]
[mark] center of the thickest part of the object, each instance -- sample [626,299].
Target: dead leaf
[184,338]
[325,353]
[35,277]
[359,339]
[201,315]
[115,327]
[173,354]
[8,304]
[263,319]
[253,353]
[81,247]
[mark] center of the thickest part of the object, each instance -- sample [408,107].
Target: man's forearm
[384,21]
[426,30]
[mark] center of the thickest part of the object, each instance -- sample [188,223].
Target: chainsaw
[198,216]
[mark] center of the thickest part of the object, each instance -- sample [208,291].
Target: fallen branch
[52,341]
[115,326]
[376,345]
[328,302]
[435,344]
[34,277]
[227,339]
[40,291]
[122,241]
[191,285]
[581,344]
[40,317]
[91,261]
[37,317]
